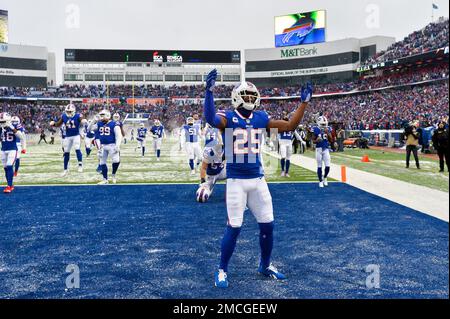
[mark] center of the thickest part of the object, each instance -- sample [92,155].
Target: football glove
[306,93]
[211,80]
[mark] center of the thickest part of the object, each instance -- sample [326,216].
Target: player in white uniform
[322,139]
[111,138]
[15,121]
[212,170]
[192,133]
[242,130]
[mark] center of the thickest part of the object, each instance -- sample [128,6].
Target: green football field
[393,165]
[43,165]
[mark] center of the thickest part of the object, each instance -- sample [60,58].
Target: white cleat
[193,172]
[80,169]
[321,184]
[283,174]
[114,179]
[325,182]
[287,175]
[103,182]
[157,159]
[65,173]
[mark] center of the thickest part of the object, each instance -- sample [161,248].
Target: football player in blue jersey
[72,121]
[9,137]
[88,139]
[158,133]
[212,170]
[211,135]
[116,118]
[322,138]
[285,143]
[111,138]
[15,121]
[142,137]
[242,130]
[192,133]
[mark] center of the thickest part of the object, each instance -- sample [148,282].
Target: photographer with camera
[412,142]
[440,143]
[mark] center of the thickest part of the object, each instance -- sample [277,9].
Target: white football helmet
[203,194]
[157,122]
[116,117]
[105,115]
[70,110]
[322,121]
[246,95]
[142,125]
[5,119]
[15,120]
[190,121]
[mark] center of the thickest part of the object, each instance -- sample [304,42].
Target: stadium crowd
[433,36]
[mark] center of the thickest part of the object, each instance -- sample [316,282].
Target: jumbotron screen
[3,26]
[300,28]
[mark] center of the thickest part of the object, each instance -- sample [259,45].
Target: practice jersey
[214,159]
[286,135]
[243,141]
[157,131]
[191,133]
[72,124]
[106,132]
[142,133]
[319,132]
[9,139]
[211,136]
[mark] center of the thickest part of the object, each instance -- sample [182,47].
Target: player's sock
[288,164]
[9,172]
[17,165]
[191,164]
[266,243]
[66,160]
[228,245]
[327,171]
[158,153]
[88,151]
[319,173]
[143,151]
[79,156]
[283,161]
[105,171]
[115,167]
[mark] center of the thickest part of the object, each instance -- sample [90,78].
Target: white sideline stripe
[429,201]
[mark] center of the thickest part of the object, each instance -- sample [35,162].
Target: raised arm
[286,126]
[209,109]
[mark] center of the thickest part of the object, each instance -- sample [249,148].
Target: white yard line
[426,200]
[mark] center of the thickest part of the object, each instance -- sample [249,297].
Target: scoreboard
[152,56]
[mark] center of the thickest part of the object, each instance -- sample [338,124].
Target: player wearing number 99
[322,138]
[242,129]
[110,135]
[72,122]
[9,137]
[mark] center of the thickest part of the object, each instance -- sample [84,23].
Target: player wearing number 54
[242,129]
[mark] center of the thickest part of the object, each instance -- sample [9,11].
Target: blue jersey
[211,136]
[191,133]
[157,131]
[215,161]
[72,124]
[89,134]
[20,128]
[287,136]
[9,139]
[141,133]
[319,132]
[106,132]
[243,144]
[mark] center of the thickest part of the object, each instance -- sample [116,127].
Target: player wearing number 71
[242,129]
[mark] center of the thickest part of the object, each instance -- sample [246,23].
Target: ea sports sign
[299,52]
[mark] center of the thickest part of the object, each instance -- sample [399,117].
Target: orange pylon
[365,159]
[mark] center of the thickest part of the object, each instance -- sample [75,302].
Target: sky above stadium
[199,24]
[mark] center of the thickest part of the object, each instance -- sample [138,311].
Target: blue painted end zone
[157,242]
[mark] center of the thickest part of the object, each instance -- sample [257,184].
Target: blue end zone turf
[158,242]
